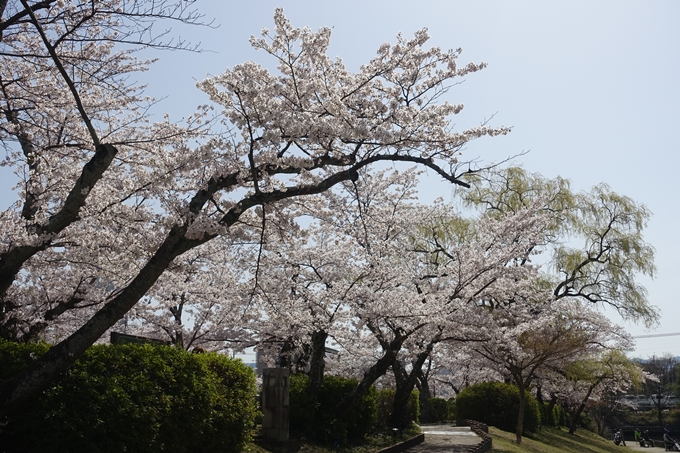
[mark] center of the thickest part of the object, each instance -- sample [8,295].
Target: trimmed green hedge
[385,398]
[134,398]
[320,424]
[452,408]
[371,414]
[556,417]
[440,409]
[497,404]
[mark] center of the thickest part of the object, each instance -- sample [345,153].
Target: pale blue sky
[589,87]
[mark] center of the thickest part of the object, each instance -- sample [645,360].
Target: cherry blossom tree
[462,368]
[591,380]
[302,289]
[525,339]
[318,286]
[198,303]
[110,202]
[529,320]
[411,300]
[477,266]
[361,278]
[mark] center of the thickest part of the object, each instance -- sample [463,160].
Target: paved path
[636,447]
[445,439]
[632,445]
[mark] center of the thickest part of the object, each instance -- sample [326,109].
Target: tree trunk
[520,415]
[599,421]
[370,376]
[424,397]
[177,312]
[317,364]
[316,373]
[405,384]
[659,412]
[551,407]
[539,399]
[576,414]
[178,341]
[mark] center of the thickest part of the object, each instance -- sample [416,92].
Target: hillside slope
[551,440]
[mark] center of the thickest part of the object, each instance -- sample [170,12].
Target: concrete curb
[482,431]
[405,445]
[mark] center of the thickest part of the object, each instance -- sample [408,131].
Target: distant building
[280,360]
[644,402]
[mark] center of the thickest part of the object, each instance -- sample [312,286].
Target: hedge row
[497,404]
[134,398]
[385,401]
[442,410]
[320,424]
[370,415]
[556,417]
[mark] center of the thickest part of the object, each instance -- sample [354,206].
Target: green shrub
[413,407]
[549,416]
[452,408]
[556,417]
[440,409]
[135,398]
[301,413]
[385,400]
[16,356]
[320,424]
[497,404]
[561,416]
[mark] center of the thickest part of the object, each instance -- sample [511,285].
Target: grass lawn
[552,440]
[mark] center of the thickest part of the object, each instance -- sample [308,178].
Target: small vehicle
[618,437]
[673,446]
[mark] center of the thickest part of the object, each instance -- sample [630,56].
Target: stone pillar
[275,406]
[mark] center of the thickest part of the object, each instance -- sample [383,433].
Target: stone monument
[276,411]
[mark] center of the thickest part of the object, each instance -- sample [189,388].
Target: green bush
[413,408]
[561,416]
[549,416]
[385,400]
[320,423]
[16,356]
[134,398]
[556,417]
[440,409]
[301,411]
[452,408]
[497,404]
